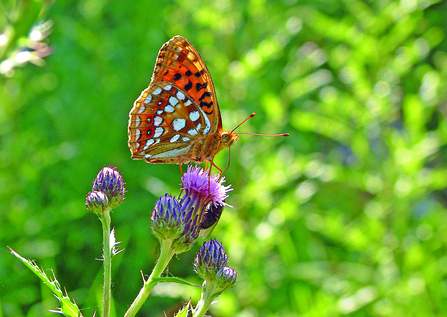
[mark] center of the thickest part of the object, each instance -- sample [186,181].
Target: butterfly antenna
[251,116]
[281,134]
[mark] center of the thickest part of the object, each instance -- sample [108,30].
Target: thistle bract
[168,222]
[226,277]
[110,182]
[96,201]
[210,259]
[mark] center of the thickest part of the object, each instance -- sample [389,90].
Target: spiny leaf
[68,308]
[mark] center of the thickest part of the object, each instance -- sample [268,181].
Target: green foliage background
[347,216]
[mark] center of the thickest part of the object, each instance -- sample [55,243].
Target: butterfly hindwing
[164,123]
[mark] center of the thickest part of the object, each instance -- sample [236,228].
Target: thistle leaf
[68,308]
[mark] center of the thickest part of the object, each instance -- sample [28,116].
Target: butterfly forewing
[179,63]
[178,110]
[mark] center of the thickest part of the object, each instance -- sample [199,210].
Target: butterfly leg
[222,173]
[181,172]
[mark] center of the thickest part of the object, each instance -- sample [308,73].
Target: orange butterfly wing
[175,115]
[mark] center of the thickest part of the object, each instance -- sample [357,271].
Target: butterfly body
[177,118]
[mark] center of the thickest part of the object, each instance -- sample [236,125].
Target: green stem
[202,307]
[207,297]
[166,254]
[107,292]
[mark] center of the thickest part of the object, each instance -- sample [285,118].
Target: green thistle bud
[96,201]
[210,259]
[110,182]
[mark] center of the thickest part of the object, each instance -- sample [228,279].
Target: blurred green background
[347,216]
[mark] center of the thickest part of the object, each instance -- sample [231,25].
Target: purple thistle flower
[96,201]
[110,182]
[198,182]
[204,193]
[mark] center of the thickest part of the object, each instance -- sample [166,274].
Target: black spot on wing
[200,86]
[188,86]
[177,76]
[207,107]
[188,73]
[198,74]
[204,95]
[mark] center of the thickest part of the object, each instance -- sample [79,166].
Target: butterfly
[177,118]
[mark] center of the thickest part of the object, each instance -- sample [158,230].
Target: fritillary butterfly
[177,118]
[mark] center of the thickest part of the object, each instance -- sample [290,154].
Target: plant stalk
[166,254]
[107,291]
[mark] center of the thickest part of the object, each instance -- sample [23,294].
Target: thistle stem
[202,307]
[209,292]
[107,292]
[166,254]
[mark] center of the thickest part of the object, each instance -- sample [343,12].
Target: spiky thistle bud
[96,201]
[110,182]
[210,259]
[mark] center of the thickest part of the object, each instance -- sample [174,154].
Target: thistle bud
[226,277]
[96,201]
[110,182]
[167,218]
[210,259]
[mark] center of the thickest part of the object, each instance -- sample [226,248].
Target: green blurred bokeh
[347,216]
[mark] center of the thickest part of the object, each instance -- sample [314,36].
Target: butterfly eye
[225,137]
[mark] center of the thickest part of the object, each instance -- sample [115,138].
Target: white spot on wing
[148,144]
[192,132]
[148,99]
[142,108]
[207,127]
[137,134]
[194,115]
[174,138]
[159,111]
[185,139]
[178,124]
[157,91]
[169,108]
[137,121]
[188,103]
[158,131]
[173,101]
[168,87]
[198,127]
[181,95]
[158,120]
[148,156]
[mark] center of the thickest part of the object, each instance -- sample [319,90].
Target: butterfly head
[228,138]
